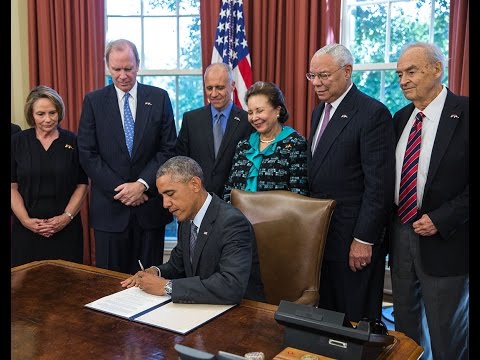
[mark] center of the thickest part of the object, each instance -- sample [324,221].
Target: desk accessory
[327,333]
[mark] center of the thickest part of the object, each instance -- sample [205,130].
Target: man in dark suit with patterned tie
[429,255]
[352,162]
[126,210]
[196,138]
[215,260]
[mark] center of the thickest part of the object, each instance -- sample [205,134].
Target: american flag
[231,47]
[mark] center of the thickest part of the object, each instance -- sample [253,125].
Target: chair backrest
[291,231]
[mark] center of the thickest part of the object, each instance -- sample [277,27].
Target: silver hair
[227,68]
[432,53]
[340,53]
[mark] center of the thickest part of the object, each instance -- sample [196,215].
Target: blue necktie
[193,239]
[217,132]
[128,124]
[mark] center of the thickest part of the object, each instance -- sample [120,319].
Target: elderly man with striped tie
[430,230]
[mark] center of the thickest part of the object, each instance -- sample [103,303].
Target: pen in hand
[141,265]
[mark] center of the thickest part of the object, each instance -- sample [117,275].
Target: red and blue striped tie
[407,200]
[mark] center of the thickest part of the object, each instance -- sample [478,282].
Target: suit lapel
[232,125]
[204,231]
[449,120]
[402,121]
[184,238]
[340,119]
[142,114]
[206,122]
[115,119]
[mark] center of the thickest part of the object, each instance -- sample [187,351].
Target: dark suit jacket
[104,155]
[225,265]
[354,163]
[446,195]
[195,140]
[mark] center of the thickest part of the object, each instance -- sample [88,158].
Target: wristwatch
[168,287]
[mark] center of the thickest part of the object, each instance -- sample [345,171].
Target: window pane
[190,47]
[368,27]
[190,94]
[410,22]
[160,43]
[160,7]
[123,7]
[189,7]
[440,27]
[164,82]
[121,28]
[383,86]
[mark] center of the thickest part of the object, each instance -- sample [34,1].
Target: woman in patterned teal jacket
[274,157]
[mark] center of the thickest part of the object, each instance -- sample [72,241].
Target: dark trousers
[356,294]
[431,310]
[120,251]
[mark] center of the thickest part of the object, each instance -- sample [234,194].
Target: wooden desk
[49,321]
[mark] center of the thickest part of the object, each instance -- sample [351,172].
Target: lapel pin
[344,116]
[454,116]
[68,146]
[237,118]
[148,103]
[205,233]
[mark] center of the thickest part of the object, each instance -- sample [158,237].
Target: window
[167,36]
[375,31]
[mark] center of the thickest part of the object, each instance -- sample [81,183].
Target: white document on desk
[128,303]
[182,318]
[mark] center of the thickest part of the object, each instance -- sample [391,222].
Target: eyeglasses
[322,76]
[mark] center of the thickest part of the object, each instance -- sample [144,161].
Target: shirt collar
[225,112]
[434,110]
[197,220]
[132,91]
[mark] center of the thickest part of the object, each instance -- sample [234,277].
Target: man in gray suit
[196,138]
[215,260]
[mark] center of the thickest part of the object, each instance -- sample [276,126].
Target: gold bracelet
[68,214]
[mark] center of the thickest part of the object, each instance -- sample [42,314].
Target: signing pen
[141,265]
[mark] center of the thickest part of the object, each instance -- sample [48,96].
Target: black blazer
[195,140]
[225,265]
[446,194]
[104,155]
[26,164]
